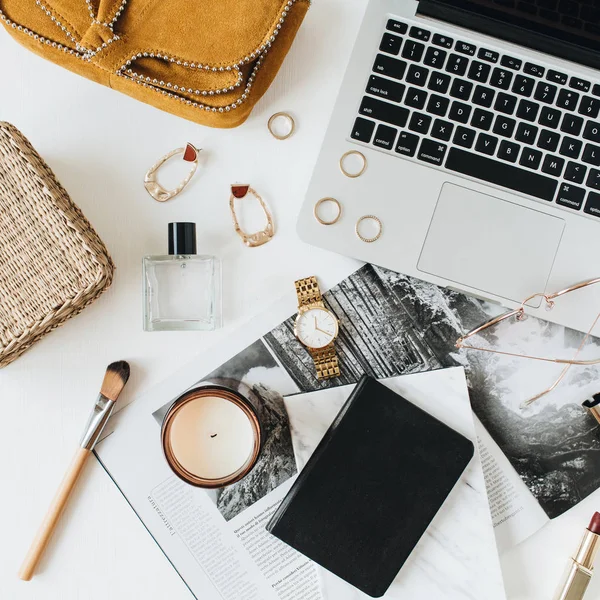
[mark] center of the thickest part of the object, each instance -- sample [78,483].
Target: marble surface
[456,559]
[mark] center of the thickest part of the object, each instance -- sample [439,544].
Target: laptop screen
[573,23]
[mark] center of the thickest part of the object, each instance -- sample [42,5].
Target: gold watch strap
[326,362]
[308,292]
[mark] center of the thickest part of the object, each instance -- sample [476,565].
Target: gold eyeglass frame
[520,314]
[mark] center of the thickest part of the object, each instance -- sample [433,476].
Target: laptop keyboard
[484,114]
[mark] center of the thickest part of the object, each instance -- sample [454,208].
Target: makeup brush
[115,379]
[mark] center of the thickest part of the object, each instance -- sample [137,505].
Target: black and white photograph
[392,324]
[255,374]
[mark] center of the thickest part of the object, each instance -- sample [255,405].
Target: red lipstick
[581,566]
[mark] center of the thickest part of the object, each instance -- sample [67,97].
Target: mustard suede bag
[208,61]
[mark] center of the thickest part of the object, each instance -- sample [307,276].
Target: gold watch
[316,327]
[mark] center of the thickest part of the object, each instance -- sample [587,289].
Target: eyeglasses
[518,314]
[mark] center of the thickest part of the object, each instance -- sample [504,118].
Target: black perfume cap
[182,238]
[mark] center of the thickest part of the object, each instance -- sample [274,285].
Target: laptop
[480,124]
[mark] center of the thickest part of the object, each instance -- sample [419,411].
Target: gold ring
[370,218]
[323,221]
[282,115]
[356,153]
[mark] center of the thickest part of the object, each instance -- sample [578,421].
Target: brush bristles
[116,377]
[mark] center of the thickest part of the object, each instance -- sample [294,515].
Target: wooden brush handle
[53,515]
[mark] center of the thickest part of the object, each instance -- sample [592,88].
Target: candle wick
[214,435]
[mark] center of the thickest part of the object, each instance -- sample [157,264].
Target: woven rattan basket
[52,263]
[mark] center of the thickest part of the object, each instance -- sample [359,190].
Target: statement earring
[252,240]
[157,191]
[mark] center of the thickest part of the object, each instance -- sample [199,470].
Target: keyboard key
[488,55]
[362,130]
[528,110]
[592,206]
[550,15]
[593,179]
[383,111]
[465,48]
[460,112]
[439,82]
[570,147]
[479,71]
[523,85]
[396,26]
[505,103]
[527,8]
[407,144]
[549,117]
[464,137]
[438,105]
[457,65]
[580,85]
[592,131]
[511,63]
[413,50]
[420,34]
[504,126]
[483,96]
[432,152]
[415,98]
[571,124]
[534,70]
[548,140]
[385,137]
[596,89]
[384,88]
[575,172]
[508,151]
[390,43]
[442,40]
[390,67]
[553,165]
[482,119]
[442,130]
[434,57]
[502,174]
[557,77]
[417,75]
[420,123]
[501,78]
[589,107]
[530,158]
[461,89]
[591,155]
[545,92]
[526,133]
[486,144]
[570,196]
[567,99]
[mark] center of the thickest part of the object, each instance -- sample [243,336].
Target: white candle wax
[211,437]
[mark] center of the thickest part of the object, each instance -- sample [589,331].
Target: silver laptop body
[499,221]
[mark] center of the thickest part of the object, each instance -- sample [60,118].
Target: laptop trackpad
[490,244]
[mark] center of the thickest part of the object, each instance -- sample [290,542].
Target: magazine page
[516,514]
[216,540]
[458,551]
[390,325]
[393,324]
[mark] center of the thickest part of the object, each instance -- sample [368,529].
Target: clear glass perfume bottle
[182,290]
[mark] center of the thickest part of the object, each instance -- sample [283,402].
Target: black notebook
[371,488]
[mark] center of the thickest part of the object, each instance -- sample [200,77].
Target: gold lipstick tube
[580,570]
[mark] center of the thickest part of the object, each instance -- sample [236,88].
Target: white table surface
[100,144]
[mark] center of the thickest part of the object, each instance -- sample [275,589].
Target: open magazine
[537,463]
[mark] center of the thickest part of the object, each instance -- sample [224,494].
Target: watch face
[316,327]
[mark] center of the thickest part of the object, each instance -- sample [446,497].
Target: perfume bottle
[182,290]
